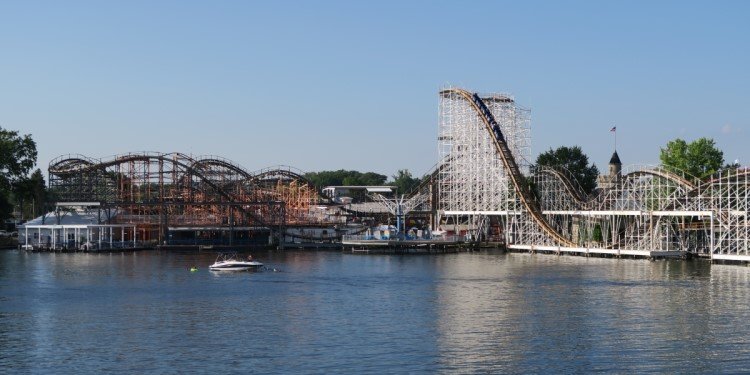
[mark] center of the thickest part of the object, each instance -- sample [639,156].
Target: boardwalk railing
[370,237]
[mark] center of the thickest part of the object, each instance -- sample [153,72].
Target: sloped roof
[615,159]
[67,218]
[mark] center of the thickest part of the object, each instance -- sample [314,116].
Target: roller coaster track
[689,187]
[286,171]
[570,187]
[281,171]
[205,161]
[576,194]
[517,178]
[200,168]
[70,163]
[255,178]
[705,185]
[663,173]
[582,200]
[192,168]
[724,177]
[79,164]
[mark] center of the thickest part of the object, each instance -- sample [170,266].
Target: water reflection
[541,313]
[333,312]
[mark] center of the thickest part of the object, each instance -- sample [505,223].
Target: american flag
[614,129]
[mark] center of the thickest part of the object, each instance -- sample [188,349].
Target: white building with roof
[77,228]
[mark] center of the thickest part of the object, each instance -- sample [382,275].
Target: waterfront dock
[598,252]
[409,250]
[61,250]
[360,244]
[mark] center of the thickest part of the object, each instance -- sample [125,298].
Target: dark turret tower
[607,181]
[615,166]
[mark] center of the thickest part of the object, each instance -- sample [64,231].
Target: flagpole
[614,130]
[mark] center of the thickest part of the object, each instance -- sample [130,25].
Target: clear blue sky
[328,85]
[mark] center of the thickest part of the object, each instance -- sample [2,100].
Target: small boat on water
[230,262]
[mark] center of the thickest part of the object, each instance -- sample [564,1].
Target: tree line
[402,180]
[699,159]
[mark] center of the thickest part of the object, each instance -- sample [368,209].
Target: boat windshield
[225,257]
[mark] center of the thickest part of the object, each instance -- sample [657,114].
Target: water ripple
[335,313]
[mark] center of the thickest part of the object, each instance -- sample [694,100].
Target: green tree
[6,207]
[17,157]
[344,177]
[31,195]
[574,161]
[699,158]
[597,233]
[373,179]
[404,182]
[353,180]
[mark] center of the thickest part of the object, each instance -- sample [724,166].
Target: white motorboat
[229,262]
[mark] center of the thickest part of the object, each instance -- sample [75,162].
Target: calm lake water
[327,312]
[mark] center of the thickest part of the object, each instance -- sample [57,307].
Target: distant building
[615,173]
[355,194]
